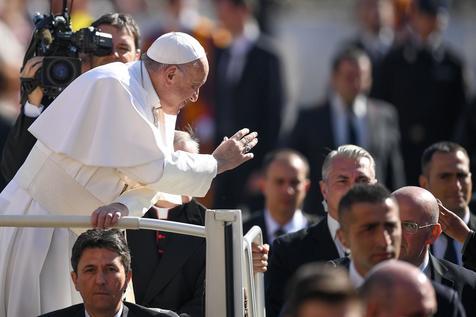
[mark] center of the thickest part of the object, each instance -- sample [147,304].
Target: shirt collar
[358,108]
[355,277]
[297,222]
[424,267]
[466,216]
[333,226]
[152,97]
[119,313]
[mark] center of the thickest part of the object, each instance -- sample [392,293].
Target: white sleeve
[181,173]
[32,111]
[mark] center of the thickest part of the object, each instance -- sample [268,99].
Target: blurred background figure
[249,92]
[285,185]
[395,288]
[376,19]
[445,172]
[321,290]
[424,79]
[348,116]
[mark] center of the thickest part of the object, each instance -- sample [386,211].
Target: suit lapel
[325,126]
[439,272]
[125,311]
[472,221]
[373,134]
[324,242]
[174,257]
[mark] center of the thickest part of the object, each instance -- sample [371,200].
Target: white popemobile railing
[232,289]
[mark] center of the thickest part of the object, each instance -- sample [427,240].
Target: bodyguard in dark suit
[101,265]
[420,228]
[128,310]
[169,268]
[424,79]
[343,168]
[445,172]
[249,93]
[348,116]
[285,184]
[462,280]
[170,272]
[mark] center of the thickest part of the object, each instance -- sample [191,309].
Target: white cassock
[97,144]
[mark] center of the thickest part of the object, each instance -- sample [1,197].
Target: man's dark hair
[440,147]
[111,239]
[362,193]
[319,282]
[284,153]
[120,21]
[347,54]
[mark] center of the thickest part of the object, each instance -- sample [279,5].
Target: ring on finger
[246,149]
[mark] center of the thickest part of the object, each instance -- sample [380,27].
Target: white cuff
[32,111]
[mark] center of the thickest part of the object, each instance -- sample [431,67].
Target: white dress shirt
[119,313]
[440,244]
[340,116]
[333,226]
[356,279]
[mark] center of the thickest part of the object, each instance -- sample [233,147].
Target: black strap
[27,87]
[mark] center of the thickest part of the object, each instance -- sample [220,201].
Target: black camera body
[54,39]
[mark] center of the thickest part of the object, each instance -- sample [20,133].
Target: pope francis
[105,149]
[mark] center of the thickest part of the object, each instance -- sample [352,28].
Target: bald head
[394,288]
[419,200]
[419,216]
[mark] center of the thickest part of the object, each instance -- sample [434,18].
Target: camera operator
[125,39]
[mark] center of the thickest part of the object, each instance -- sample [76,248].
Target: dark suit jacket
[313,136]
[255,101]
[288,253]
[130,310]
[449,303]
[469,252]
[18,145]
[463,281]
[257,219]
[175,281]
[428,90]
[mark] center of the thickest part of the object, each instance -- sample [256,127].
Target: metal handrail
[256,284]
[55,221]
[212,232]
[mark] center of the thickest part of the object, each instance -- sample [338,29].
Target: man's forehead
[98,256]
[449,161]
[368,211]
[349,166]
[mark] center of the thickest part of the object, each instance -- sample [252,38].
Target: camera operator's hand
[29,71]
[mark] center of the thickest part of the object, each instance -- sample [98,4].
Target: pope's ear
[170,72]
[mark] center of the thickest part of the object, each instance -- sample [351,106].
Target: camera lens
[61,72]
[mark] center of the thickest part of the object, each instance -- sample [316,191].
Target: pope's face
[185,85]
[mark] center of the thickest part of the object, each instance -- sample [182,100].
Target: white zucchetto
[175,48]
